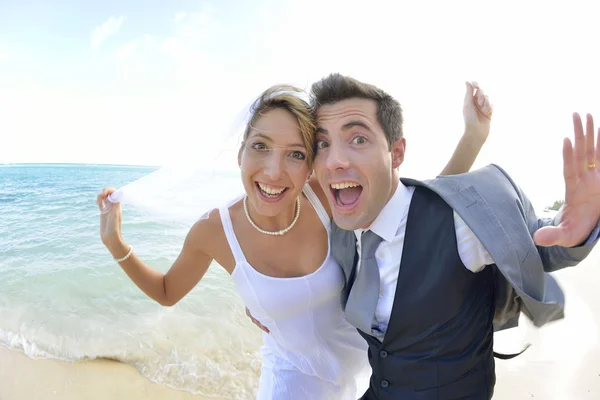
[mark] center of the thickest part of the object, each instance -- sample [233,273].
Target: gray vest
[438,345]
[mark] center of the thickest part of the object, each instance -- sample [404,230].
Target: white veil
[179,194]
[186,190]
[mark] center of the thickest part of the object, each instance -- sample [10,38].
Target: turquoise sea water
[62,296]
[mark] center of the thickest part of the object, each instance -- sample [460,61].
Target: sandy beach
[562,364]
[564,360]
[22,378]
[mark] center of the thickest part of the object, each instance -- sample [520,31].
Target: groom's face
[354,163]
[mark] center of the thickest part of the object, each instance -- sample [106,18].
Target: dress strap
[318,206]
[234,245]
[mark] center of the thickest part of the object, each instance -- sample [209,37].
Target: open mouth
[269,192]
[346,194]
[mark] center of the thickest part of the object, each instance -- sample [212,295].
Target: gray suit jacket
[503,219]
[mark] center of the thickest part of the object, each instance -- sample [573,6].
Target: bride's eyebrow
[267,138]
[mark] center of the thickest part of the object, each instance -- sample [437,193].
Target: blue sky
[149,82]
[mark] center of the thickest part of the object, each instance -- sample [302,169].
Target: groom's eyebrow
[352,124]
[347,126]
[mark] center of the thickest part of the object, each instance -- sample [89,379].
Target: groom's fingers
[548,236]
[261,326]
[569,171]
[580,162]
[598,149]
[589,141]
[255,322]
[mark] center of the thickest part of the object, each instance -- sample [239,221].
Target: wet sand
[22,378]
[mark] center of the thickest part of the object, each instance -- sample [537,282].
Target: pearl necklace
[278,233]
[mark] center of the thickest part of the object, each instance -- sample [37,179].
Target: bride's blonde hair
[287,98]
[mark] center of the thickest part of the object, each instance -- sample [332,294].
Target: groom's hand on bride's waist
[261,326]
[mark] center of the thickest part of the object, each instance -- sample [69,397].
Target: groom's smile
[346,194]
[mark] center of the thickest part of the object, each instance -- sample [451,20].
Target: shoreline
[24,378]
[563,362]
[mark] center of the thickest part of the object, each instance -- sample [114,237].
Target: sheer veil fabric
[198,182]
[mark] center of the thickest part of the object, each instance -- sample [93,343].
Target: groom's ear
[398,149]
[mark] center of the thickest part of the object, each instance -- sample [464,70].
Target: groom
[433,268]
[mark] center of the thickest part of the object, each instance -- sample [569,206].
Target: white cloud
[180,16]
[107,29]
[127,50]
[185,51]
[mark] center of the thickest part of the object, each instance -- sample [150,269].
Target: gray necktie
[363,297]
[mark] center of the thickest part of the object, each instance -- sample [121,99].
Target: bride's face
[274,162]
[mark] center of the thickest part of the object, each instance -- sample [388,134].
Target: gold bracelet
[126,257]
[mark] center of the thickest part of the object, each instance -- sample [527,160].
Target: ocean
[63,297]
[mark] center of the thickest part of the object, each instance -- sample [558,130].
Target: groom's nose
[337,158]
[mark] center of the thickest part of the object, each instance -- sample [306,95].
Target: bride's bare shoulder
[208,236]
[208,232]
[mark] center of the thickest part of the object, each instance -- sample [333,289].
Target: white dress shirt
[390,225]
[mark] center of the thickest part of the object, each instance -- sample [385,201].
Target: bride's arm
[187,270]
[477,112]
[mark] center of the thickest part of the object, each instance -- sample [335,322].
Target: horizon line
[77,163]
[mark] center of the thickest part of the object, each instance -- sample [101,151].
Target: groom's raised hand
[581,211]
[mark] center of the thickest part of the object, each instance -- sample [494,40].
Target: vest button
[383,354]
[385,384]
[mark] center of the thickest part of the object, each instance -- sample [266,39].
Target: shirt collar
[387,222]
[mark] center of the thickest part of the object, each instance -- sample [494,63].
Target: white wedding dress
[311,352]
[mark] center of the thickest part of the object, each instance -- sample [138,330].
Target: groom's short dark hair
[337,87]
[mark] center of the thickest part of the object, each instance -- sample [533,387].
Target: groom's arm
[555,257]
